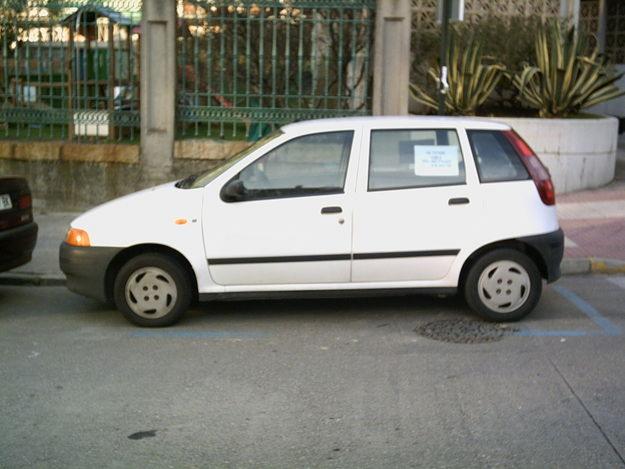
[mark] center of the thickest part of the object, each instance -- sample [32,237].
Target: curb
[591,265]
[40,280]
[607,266]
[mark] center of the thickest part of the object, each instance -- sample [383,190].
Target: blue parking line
[552,333]
[608,327]
[182,334]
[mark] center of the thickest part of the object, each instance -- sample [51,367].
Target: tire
[503,285]
[153,290]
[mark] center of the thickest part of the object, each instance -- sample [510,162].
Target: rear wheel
[152,290]
[503,285]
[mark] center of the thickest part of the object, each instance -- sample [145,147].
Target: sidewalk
[593,222]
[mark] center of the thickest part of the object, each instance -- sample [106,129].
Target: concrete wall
[69,177]
[68,186]
[580,153]
[65,151]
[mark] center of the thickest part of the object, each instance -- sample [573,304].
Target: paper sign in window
[436,160]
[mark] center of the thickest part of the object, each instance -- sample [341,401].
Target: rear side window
[495,157]
[402,159]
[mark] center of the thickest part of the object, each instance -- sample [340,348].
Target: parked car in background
[18,231]
[339,206]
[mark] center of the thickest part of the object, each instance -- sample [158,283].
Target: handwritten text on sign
[436,160]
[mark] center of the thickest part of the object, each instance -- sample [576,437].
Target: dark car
[18,231]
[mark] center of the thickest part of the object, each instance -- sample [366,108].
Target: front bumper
[16,245]
[85,268]
[550,246]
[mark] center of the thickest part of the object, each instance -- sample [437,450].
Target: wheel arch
[128,253]
[515,244]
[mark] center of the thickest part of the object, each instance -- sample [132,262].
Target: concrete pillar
[569,9]
[603,20]
[392,57]
[158,87]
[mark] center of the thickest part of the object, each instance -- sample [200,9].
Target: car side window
[495,157]
[308,165]
[402,159]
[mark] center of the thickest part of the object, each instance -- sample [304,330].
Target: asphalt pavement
[387,382]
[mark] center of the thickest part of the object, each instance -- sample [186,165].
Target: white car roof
[395,122]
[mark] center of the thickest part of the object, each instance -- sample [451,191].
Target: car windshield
[201,179]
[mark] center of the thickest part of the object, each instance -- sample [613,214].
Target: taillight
[534,166]
[24,201]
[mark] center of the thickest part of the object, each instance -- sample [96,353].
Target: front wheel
[503,285]
[152,290]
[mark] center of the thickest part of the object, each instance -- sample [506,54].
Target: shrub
[564,80]
[471,81]
[508,41]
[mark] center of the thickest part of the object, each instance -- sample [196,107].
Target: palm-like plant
[471,82]
[565,80]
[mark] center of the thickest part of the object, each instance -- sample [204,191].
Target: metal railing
[247,66]
[70,69]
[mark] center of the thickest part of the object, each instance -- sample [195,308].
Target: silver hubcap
[151,292]
[504,286]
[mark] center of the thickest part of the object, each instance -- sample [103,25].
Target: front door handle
[458,201]
[326,210]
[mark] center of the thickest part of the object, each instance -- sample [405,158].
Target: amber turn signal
[76,237]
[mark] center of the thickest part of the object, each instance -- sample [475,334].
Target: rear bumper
[550,246]
[16,245]
[85,268]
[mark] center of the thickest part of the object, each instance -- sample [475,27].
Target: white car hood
[142,217]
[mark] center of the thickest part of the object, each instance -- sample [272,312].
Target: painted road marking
[182,334]
[553,333]
[618,281]
[608,327]
[569,243]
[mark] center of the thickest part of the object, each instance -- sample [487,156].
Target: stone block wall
[71,176]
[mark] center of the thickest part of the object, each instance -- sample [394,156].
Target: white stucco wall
[580,153]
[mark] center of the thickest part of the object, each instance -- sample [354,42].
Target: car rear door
[294,224]
[415,206]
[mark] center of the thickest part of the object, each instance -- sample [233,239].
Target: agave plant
[565,80]
[471,81]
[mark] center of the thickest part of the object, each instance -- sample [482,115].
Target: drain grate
[465,331]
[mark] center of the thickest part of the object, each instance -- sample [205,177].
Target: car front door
[414,209]
[286,218]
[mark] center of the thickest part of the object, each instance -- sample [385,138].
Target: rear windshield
[495,157]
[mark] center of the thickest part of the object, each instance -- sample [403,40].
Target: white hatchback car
[339,206]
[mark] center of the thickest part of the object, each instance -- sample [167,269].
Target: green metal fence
[70,69]
[246,66]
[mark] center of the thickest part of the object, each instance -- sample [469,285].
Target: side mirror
[233,191]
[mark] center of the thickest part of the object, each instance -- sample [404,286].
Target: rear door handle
[326,210]
[458,201]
